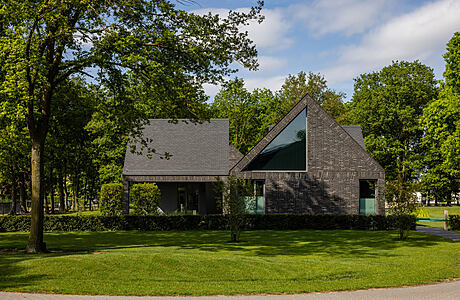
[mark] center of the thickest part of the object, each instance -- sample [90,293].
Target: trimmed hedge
[206,222]
[111,197]
[454,222]
[145,198]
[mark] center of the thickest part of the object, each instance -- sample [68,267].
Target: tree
[388,105]
[44,43]
[402,203]
[441,146]
[452,58]
[441,123]
[296,86]
[251,113]
[243,110]
[232,193]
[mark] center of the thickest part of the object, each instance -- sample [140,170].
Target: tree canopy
[388,105]
[150,44]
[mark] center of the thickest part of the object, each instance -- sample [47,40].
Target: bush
[209,222]
[145,198]
[454,222]
[111,198]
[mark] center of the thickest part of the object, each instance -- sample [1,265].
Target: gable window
[287,151]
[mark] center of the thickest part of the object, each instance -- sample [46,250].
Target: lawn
[205,263]
[438,212]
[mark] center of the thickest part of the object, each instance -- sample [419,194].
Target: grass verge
[438,212]
[205,263]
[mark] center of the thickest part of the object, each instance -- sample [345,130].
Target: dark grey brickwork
[336,163]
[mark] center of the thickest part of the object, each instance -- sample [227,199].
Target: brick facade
[335,164]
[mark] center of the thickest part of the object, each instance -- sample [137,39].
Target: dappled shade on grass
[204,262]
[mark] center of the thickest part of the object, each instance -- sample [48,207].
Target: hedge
[205,222]
[454,222]
[111,197]
[145,198]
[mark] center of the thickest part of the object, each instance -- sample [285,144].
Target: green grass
[438,212]
[205,263]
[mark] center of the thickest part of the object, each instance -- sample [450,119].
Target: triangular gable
[312,107]
[271,135]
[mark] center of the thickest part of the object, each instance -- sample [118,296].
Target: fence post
[446,219]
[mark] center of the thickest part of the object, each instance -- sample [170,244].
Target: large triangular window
[287,151]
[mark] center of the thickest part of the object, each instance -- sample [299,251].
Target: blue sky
[341,38]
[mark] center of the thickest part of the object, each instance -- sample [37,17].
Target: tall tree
[243,110]
[46,42]
[441,146]
[388,105]
[452,58]
[296,86]
[441,141]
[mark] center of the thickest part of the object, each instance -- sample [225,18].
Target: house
[307,163]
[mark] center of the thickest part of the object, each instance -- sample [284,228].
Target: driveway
[444,291]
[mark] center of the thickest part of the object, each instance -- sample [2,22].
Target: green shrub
[209,222]
[422,212]
[111,197]
[145,198]
[454,222]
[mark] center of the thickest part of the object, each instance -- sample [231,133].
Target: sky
[340,39]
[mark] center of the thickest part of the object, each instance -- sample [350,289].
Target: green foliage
[388,105]
[110,201]
[145,198]
[251,113]
[452,58]
[422,212]
[207,222]
[402,203]
[441,146]
[454,222]
[296,86]
[232,193]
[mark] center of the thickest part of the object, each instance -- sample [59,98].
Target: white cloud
[272,83]
[343,16]
[271,34]
[211,89]
[421,34]
[270,64]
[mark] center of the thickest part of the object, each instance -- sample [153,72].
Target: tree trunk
[45,198]
[52,198]
[61,193]
[22,193]
[36,243]
[13,194]
[66,192]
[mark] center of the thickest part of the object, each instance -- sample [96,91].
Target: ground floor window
[256,204]
[367,196]
[188,197]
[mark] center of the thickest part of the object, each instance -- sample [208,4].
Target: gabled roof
[196,149]
[355,132]
[352,131]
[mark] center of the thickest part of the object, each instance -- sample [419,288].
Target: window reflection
[287,151]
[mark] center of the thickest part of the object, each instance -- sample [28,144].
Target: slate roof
[196,149]
[355,132]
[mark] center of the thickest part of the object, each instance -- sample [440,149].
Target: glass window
[287,151]
[367,197]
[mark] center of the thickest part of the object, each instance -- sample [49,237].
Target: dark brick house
[307,163]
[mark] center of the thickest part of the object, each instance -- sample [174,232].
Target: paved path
[443,291]
[455,236]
